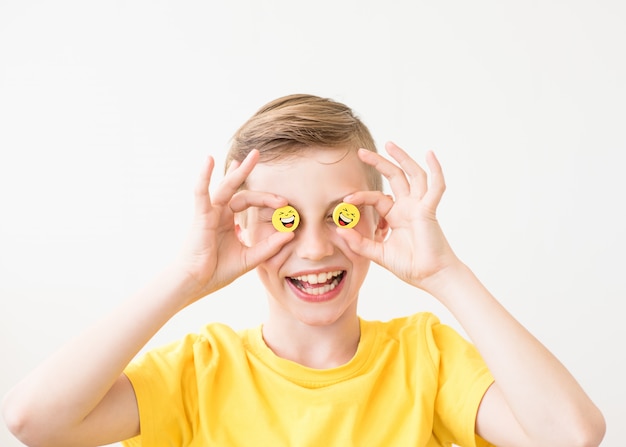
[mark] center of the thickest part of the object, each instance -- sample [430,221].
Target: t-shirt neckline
[312,377]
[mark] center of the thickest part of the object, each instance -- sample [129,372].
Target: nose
[314,241]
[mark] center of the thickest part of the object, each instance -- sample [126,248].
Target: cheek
[270,270]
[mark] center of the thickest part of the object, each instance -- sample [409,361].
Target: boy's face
[315,278]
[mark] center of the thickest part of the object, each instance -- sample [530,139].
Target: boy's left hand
[416,250]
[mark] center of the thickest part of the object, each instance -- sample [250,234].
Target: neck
[314,346]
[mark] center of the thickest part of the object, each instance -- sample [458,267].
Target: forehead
[337,170]
[311,161]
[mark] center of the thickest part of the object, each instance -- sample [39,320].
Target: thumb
[266,249]
[361,245]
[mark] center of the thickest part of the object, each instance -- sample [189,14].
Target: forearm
[543,396]
[74,380]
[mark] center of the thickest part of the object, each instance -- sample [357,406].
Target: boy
[313,373]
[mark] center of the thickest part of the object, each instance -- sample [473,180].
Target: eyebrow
[334,203]
[331,204]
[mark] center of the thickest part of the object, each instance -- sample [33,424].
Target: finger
[233,165]
[381,202]
[265,249]
[245,199]
[437,182]
[417,176]
[202,198]
[234,178]
[393,173]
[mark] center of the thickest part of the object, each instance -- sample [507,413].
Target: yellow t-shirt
[412,382]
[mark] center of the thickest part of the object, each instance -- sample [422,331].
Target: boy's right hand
[213,255]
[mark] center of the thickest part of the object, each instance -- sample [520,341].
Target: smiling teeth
[320,290]
[319,278]
[318,284]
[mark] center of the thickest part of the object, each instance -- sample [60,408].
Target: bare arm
[534,401]
[79,396]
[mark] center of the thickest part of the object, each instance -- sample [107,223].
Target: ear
[238,232]
[382,229]
[240,229]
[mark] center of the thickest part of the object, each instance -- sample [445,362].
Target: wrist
[449,281]
[177,287]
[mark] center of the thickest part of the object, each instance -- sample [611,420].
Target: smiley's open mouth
[288,221]
[343,220]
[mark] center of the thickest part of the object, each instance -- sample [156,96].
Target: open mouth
[318,284]
[343,220]
[288,221]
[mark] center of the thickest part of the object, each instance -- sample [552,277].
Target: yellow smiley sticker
[346,215]
[286,219]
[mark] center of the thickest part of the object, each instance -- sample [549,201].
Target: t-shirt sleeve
[164,382]
[463,380]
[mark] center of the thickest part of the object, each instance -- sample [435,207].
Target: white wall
[108,108]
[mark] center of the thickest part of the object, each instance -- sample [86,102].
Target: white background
[107,110]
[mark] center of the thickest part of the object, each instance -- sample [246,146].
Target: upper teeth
[318,278]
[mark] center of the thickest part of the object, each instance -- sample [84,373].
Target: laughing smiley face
[346,215]
[285,219]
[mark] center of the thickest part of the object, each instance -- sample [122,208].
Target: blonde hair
[287,126]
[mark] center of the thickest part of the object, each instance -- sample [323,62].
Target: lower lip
[328,296]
